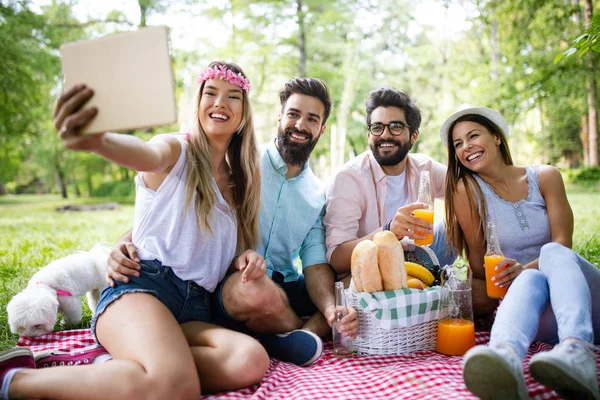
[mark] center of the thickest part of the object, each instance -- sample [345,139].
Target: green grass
[586,237]
[32,234]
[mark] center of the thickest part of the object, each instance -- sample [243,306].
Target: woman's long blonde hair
[457,173]
[243,160]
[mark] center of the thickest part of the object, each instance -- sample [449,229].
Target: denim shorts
[296,293]
[185,299]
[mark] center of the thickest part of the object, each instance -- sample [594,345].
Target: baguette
[355,268]
[390,258]
[365,270]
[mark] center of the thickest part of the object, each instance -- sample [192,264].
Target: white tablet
[131,75]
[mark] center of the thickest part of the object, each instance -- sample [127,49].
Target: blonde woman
[554,293]
[157,326]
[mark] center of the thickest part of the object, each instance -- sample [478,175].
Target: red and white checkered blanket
[423,375]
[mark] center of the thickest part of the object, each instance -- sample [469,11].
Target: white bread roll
[355,268]
[390,258]
[365,270]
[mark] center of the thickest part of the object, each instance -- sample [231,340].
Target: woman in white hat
[554,294]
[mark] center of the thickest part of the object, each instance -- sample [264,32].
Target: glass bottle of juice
[492,257]
[342,345]
[426,214]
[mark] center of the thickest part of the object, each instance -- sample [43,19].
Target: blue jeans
[185,299]
[445,255]
[560,300]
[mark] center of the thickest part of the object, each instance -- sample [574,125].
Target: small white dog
[58,287]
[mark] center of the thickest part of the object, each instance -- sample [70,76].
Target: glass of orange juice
[426,215]
[492,257]
[490,263]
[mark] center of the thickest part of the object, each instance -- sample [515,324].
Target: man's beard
[390,159]
[294,153]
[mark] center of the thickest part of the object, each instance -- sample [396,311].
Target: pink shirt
[356,195]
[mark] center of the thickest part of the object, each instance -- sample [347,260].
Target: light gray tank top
[523,227]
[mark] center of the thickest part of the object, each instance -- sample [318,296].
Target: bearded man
[287,310]
[296,308]
[378,189]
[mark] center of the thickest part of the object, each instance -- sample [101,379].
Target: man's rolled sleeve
[344,211]
[313,249]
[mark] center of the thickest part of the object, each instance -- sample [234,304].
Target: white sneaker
[494,373]
[569,369]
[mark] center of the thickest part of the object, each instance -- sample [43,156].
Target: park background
[530,59]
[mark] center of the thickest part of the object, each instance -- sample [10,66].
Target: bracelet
[387,226]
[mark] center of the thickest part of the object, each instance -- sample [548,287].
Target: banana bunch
[419,272]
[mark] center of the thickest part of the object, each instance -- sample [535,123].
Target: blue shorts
[296,293]
[185,299]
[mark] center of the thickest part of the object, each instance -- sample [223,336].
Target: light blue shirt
[291,216]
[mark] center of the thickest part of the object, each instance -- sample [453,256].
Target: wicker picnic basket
[373,339]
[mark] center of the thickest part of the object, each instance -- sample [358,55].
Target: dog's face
[33,311]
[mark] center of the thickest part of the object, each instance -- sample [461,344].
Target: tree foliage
[545,102]
[589,40]
[21,36]
[504,59]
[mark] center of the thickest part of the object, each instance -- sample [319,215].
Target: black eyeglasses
[396,128]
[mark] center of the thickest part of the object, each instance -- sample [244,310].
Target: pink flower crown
[223,73]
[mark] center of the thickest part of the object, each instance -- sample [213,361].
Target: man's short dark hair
[390,97]
[309,86]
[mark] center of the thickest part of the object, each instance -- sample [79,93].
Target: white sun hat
[467,109]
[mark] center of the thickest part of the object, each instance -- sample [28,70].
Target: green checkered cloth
[403,307]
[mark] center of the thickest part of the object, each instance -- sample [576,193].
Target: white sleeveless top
[163,231]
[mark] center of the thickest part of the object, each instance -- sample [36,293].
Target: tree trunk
[354,150]
[77,191]
[301,39]
[593,114]
[495,47]
[61,181]
[585,140]
[143,12]
[333,150]
[338,138]
[591,97]
[88,179]
[584,134]
[233,29]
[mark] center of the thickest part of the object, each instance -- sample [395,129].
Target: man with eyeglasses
[378,189]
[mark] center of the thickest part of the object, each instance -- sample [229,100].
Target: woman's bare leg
[152,359]
[226,360]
